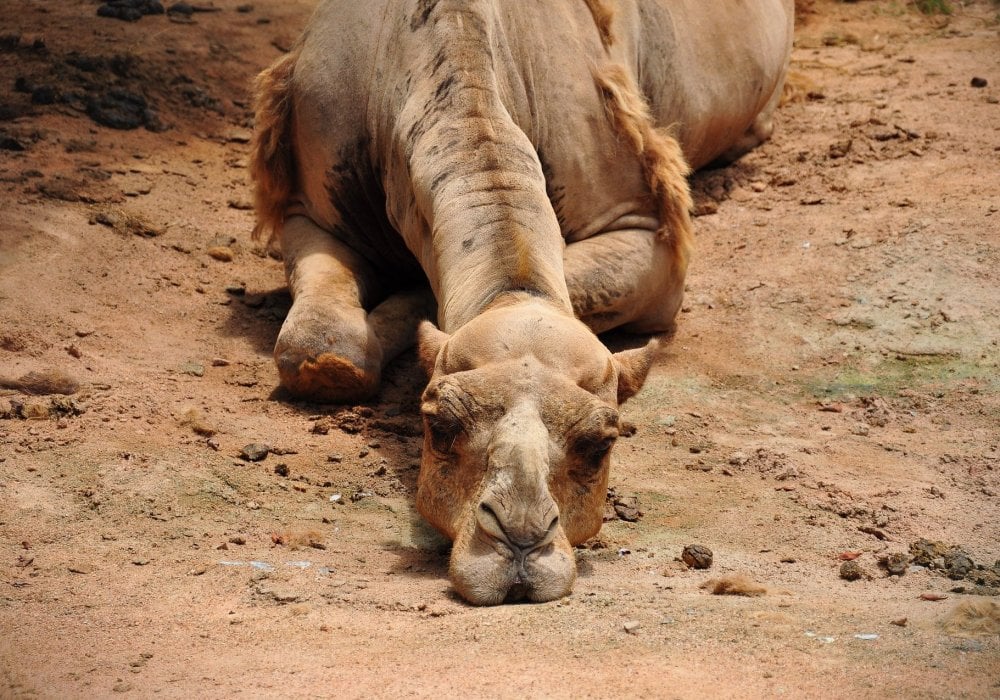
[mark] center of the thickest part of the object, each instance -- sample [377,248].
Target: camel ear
[633,366]
[430,340]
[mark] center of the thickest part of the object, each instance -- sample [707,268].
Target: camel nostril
[523,532]
[490,522]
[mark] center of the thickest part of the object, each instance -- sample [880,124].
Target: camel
[516,170]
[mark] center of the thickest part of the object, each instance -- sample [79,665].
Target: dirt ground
[833,390]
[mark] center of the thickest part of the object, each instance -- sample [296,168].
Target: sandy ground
[833,389]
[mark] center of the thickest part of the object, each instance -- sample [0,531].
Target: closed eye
[594,448]
[443,431]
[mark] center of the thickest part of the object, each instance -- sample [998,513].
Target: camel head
[520,415]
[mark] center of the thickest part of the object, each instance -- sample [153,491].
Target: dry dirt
[833,388]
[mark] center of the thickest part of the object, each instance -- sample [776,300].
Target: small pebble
[978,82]
[897,563]
[255,452]
[632,626]
[221,253]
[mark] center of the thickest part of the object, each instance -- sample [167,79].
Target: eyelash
[443,435]
[595,450]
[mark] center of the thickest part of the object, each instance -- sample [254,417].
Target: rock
[895,563]
[81,568]
[255,452]
[281,469]
[120,109]
[968,645]
[631,626]
[697,556]
[241,204]
[127,224]
[193,368]
[705,207]
[628,513]
[851,571]
[181,8]
[925,552]
[237,135]
[9,143]
[957,564]
[44,95]
[977,82]
[129,10]
[238,539]
[839,149]
[221,253]
[874,532]
[280,594]
[874,42]
[738,459]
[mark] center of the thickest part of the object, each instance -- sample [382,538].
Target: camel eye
[443,432]
[595,449]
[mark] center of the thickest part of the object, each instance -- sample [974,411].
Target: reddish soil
[833,388]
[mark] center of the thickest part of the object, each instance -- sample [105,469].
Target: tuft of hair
[272,163]
[663,162]
[733,584]
[603,17]
[42,383]
[973,618]
[797,88]
[298,539]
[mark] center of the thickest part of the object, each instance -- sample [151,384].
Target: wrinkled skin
[520,415]
[502,167]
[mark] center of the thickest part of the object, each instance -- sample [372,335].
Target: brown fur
[734,584]
[797,87]
[298,539]
[603,17]
[42,383]
[662,160]
[272,163]
[973,618]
